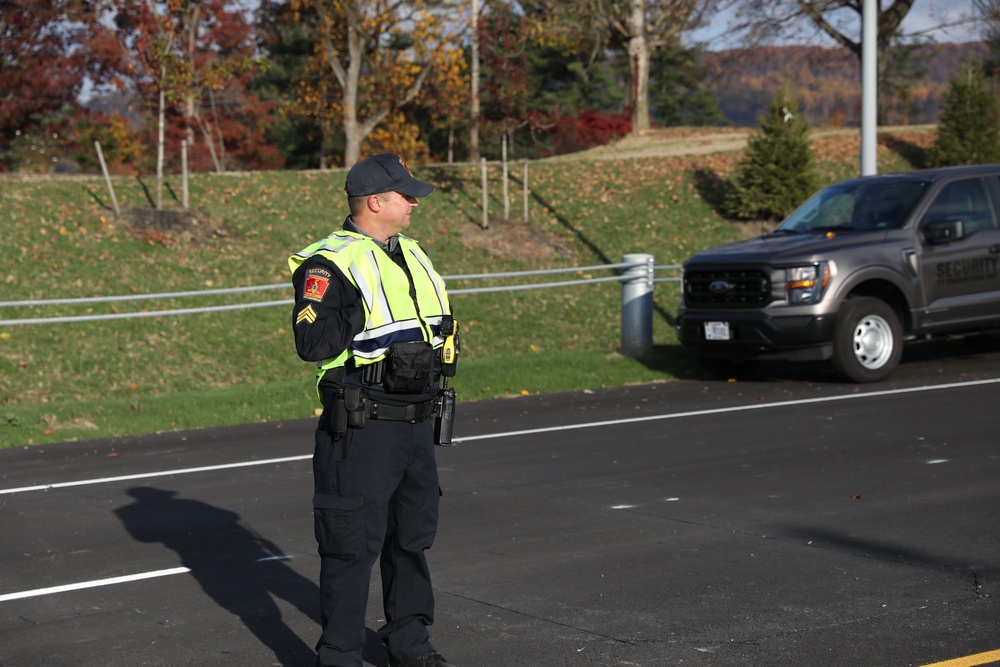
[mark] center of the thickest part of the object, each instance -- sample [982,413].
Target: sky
[925,18]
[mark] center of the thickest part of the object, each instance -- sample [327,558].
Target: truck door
[961,277]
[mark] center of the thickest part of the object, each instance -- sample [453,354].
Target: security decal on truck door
[968,270]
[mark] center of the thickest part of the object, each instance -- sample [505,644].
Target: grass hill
[83,380]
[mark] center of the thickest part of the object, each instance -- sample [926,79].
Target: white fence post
[637,305]
[524,178]
[184,171]
[486,194]
[506,183]
[107,177]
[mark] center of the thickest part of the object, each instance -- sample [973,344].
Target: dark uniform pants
[376,495]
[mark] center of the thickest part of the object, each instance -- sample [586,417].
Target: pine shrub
[969,128]
[777,171]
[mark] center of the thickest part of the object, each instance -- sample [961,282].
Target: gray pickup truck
[859,268]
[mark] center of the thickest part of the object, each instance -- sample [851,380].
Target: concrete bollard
[637,305]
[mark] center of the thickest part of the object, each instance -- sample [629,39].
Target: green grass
[86,380]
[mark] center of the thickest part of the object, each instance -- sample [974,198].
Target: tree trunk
[882,80]
[355,52]
[638,53]
[352,148]
[474,75]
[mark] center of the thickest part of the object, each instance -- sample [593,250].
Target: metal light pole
[869,87]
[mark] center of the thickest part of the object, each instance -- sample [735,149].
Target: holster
[355,404]
[346,407]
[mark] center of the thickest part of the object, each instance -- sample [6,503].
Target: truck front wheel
[868,340]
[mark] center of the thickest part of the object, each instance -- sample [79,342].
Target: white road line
[163,473]
[549,429]
[93,584]
[676,415]
[738,408]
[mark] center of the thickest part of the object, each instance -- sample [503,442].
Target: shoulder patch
[317,281]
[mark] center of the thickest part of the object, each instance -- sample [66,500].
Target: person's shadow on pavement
[238,568]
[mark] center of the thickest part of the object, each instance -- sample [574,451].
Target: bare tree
[988,10]
[764,21]
[989,13]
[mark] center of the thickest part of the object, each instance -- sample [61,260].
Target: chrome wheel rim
[873,342]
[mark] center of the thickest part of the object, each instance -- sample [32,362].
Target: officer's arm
[328,312]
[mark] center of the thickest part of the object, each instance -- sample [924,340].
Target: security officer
[374,315]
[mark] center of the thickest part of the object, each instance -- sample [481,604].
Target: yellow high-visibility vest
[391,316]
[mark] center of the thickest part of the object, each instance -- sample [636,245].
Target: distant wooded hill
[828,82]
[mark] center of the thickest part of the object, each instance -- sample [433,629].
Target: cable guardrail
[624,266]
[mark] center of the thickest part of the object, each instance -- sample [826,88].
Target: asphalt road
[783,520]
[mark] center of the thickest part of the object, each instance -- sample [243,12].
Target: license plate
[717,331]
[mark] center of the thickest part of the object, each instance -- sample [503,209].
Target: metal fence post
[637,305]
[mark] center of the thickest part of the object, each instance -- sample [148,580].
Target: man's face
[396,209]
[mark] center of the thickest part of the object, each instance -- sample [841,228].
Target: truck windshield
[866,205]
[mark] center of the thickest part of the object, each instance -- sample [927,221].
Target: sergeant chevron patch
[307,314]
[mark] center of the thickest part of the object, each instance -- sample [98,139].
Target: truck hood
[796,248]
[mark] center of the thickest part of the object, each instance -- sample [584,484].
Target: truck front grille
[726,287]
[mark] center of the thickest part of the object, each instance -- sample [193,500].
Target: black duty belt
[413,413]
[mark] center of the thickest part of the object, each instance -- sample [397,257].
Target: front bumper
[758,335]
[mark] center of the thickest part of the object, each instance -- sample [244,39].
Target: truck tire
[868,340]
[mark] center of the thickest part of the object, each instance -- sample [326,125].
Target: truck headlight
[806,284]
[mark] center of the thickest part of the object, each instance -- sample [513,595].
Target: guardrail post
[637,305]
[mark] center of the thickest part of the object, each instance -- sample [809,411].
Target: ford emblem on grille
[720,287]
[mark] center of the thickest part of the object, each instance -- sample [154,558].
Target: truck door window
[966,201]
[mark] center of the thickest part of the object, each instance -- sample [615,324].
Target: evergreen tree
[777,171]
[678,92]
[969,129]
[566,81]
[288,39]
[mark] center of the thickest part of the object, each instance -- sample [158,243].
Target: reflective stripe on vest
[390,316]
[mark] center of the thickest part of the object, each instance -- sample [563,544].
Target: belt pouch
[408,368]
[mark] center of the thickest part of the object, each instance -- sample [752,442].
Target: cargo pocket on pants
[339,525]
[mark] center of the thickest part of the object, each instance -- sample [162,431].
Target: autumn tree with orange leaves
[380,53]
[446,96]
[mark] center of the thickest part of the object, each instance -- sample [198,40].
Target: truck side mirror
[943,231]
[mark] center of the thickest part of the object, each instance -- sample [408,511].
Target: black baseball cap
[384,173]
